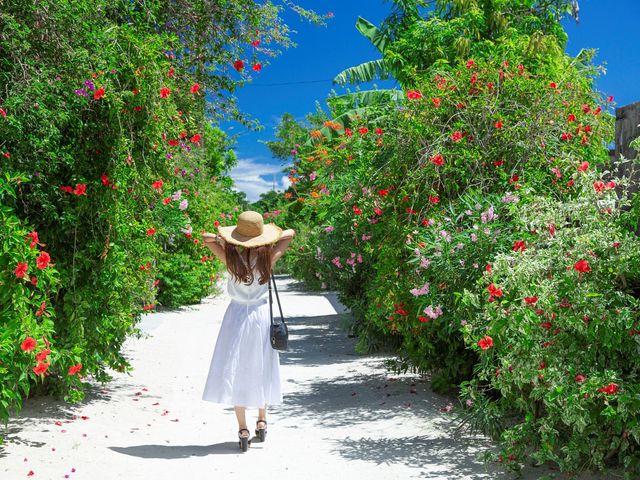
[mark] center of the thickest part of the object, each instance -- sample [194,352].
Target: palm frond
[365,72]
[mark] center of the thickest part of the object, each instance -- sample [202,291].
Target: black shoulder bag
[279,331]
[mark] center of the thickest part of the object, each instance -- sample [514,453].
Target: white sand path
[344,416]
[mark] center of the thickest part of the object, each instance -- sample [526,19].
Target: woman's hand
[211,238]
[289,233]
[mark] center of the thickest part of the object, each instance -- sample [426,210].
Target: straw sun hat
[250,231]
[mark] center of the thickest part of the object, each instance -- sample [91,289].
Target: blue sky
[322,52]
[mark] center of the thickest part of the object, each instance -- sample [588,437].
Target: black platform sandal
[244,442]
[261,433]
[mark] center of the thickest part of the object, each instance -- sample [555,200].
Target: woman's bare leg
[262,413]
[241,415]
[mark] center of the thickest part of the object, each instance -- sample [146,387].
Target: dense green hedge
[111,165]
[439,220]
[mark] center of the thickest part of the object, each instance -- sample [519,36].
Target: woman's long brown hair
[237,268]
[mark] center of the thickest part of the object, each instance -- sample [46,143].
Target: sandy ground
[344,415]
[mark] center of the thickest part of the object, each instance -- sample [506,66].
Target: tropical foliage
[473,228]
[110,171]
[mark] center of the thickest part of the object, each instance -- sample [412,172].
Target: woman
[245,369]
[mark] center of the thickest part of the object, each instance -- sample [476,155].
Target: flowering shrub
[111,172]
[562,332]
[410,212]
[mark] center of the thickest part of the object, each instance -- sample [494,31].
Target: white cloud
[254,177]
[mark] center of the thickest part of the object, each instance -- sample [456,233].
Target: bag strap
[273,279]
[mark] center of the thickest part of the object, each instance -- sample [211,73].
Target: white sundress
[245,368]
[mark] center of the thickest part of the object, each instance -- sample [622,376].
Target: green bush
[109,155]
[558,374]
[410,211]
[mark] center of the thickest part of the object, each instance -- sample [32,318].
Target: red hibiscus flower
[571,118]
[471,63]
[41,356]
[437,160]
[494,291]
[164,92]
[456,136]
[173,143]
[255,43]
[437,102]
[195,88]
[348,132]
[598,186]
[610,389]
[98,94]
[28,344]
[553,85]
[519,245]
[434,199]
[383,192]
[584,166]
[499,124]
[238,65]
[151,231]
[166,201]
[580,378]
[21,269]
[43,260]
[377,210]
[81,189]
[157,184]
[546,325]
[379,131]
[73,369]
[363,130]
[33,236]
[3,113]
[582,266]
[257,67]
[41,309]
[566,136]
[531,300]
[485,342]
[414,94]
[196,138]
[356,210]
[40,368]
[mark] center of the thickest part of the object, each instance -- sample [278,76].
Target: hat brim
[271,233]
